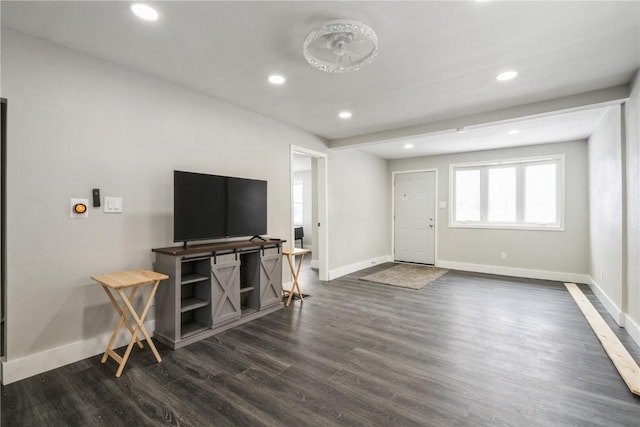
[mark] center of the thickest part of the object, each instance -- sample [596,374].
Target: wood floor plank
[624,363]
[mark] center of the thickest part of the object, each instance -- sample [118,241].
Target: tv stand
[214,287]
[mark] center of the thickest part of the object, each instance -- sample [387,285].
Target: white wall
[605,207]
[632,144]
[614,174]
[559,255]
[358,211]
[78,123]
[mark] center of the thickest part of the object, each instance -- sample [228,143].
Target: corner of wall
[632,328]
[611,307]
[348,269]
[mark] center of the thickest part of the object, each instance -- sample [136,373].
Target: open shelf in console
[193,321]
[249,281]
[195,295]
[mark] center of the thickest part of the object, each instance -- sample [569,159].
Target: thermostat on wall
[79,208]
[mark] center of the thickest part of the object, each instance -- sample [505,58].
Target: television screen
[214,206]
[246,207]
[199,210]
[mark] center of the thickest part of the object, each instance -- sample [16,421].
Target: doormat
[406,276]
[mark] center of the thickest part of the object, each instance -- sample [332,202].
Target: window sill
[527,227]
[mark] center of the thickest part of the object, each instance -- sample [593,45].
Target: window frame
[520,164]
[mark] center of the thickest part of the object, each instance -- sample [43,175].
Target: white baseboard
[609,305]
[515,272]
[34,364]
[348,269]
[632,328]
[315,264]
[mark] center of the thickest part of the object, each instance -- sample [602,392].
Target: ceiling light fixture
[340,46]
[145,12]
[276,79]
[408,145]
[345,115]
[506,75]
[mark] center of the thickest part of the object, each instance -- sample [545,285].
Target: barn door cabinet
[214,287]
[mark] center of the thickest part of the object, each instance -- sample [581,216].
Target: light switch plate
[112,204]
[77,215]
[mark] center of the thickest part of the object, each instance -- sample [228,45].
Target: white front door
[414,217]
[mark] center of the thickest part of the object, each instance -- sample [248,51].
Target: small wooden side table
[118,282]
[291,253]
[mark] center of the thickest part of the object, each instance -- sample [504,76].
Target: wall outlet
[503,255]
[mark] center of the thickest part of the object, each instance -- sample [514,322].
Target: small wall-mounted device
[79,208]
[96,197]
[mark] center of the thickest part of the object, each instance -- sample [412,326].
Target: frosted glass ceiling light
[340,46]
[507,75]
[345,115]
[145,12]
[276,79]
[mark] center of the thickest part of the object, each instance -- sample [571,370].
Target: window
[297,203]
[517,193]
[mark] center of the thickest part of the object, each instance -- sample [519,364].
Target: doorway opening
[309,228]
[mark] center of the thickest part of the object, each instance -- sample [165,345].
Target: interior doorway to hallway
[309,228]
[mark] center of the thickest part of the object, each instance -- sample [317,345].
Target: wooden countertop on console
[216,247]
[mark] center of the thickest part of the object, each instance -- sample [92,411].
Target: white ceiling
[437,60]
[553,128]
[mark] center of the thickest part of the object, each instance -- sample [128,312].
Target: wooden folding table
[291,253]
[118,282]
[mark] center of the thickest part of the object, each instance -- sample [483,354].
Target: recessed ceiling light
[513,132]
[506,75]
[145,12]
[276,79]
[345,114]
[408,145]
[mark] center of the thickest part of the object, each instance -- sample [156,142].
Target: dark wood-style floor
[466,350]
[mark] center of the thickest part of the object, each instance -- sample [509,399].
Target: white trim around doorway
[322,197]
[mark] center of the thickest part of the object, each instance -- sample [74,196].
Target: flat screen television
[213,206]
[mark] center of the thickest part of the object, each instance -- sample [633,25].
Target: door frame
[435,204]
[3,231]
[321,196]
